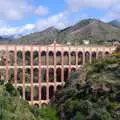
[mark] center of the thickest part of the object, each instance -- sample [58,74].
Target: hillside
[13,107]
[92,93]
[115,23]
[92,29]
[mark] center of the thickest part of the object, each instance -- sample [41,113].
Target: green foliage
[12,107]
[10,89]
[49,113]
[1,82]
[94,94]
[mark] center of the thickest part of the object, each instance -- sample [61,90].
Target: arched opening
[58,58]
[28,93]
[27,58]
[2,74]
[36,105]
[80,58]
[35,75]
[2,58]
[43,93]
[51,92]
[43,58]
[93,56]
[51,58]
[35,58]
[19,89]
[11,57]
[87,57]
[59,87]
[43,75]
[66,58]
[19,58]
[11,75]
[73,58]
[27,75]
[107,54]
[36,93]
[19,75]
[100,55]
[73,70]
[51,75]
[58,75]
[43,105]
[66,73]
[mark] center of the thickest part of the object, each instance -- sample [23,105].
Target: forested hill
[92,93]
[95,30]
[13,107]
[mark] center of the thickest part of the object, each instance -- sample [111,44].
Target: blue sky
[26,16]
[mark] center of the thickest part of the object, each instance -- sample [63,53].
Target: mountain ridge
[94,30]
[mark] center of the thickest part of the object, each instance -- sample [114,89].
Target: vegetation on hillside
[92,93]
[13,107]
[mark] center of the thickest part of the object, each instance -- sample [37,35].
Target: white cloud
[76,5]
[18,9]
[14,9]
[41,10]
[58,21]
[111,16]
[114,13]
[7,30]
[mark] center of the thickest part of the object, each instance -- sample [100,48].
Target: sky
[22,17]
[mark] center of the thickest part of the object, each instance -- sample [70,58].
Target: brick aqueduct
[38,71]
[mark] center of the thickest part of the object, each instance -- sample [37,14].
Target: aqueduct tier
[38,71]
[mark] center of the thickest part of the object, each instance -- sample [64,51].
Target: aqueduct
[38,71]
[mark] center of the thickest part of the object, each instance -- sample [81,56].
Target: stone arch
[35,58]
[19,75]
[58,58]
[43,93]
[73,69]
[43,58]
[20,90]
[66,58]
[36,93]
[93,56]
[27,57]
[51,91]
[51,75]
[36,105]
[87,57]
[11,57]
[43,75]
[2,74]
[11,75]
[19,58]
[59,87]
[58,75]
[35,75]
[51,58]
[107,54]
[2,58]
[80,58]
[44,105]
[27,75]
[28,93]
[66,73]
[73,58]
[100,55]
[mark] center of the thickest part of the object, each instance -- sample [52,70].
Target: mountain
[92,29]
[115,23]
